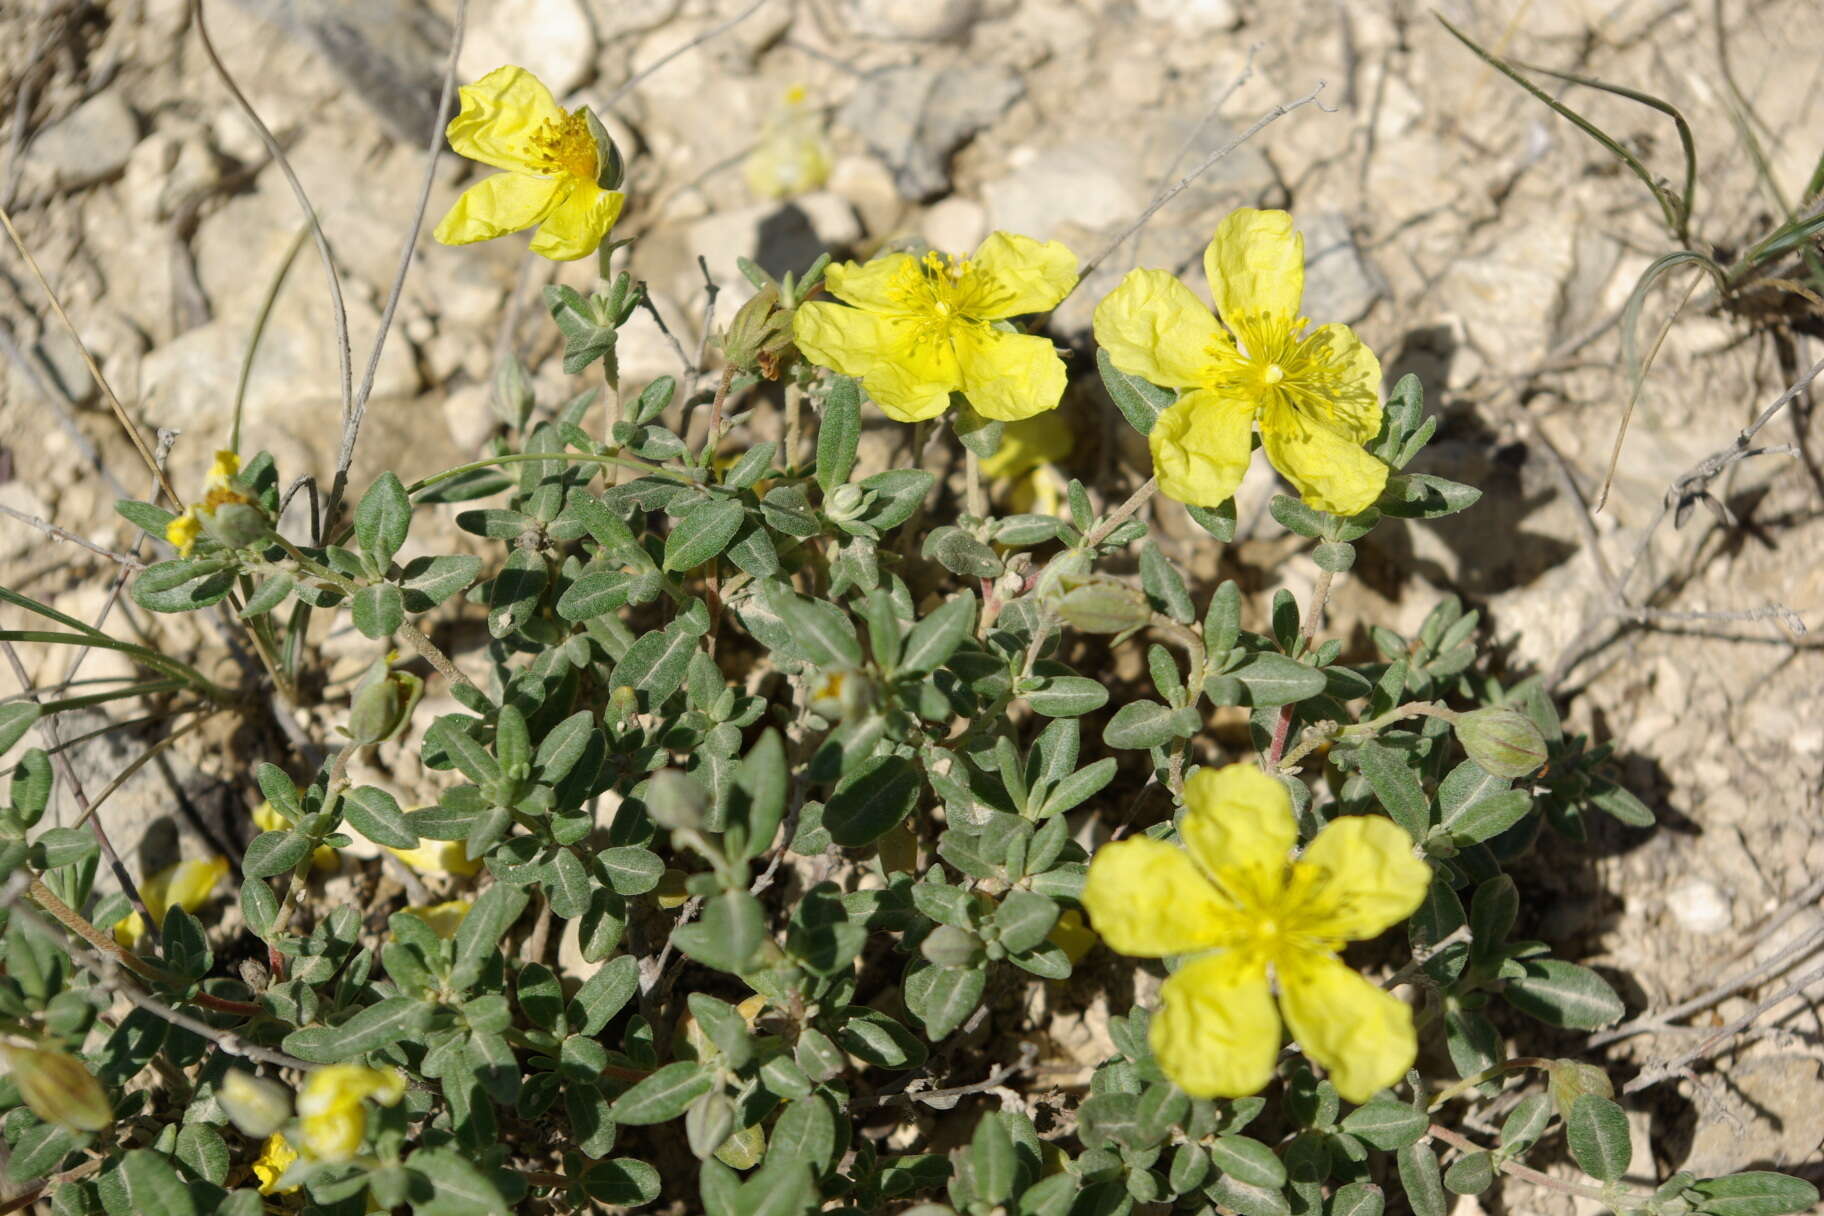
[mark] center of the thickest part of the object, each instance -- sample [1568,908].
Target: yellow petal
[186,884]
[1029,443]
[1008,376]
[335,1135]
[500,114]
[1217,1035]
[181,532]
[275,1158]
[225,466]
[910,381]
[1365,877]
[876,284]
[344,1086]
[1361,1035]
[1237,818]
[497,205]
[579,224]
[1146,898]
[1345,378]
[1330,472]
[1201,445]
[445,918]
[439,857]
[1011,275]
[1256,266]
[1152,326]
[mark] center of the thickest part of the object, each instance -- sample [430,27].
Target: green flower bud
[382,703]
[846,502]
[1568,1080]
[1502,740]
[1104,607]
[951,946]
[58,1088]
[610,168]
[236,525]
[258,1107]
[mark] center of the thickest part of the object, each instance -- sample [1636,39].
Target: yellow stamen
[568,147]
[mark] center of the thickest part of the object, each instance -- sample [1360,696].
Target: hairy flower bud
[382,703]
[845,502]
[257,1106]
[1569,1080]
[58,1088]
[1502,740]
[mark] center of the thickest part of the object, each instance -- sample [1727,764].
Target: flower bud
[845,502]
[1101,607]
[257,1106]
[235,525]
[1502,740]
[951,946]
[382,703]
[58,1088]
[1569,1080]
[610,167]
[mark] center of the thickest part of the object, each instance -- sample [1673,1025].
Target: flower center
[1274,373]
[1282,910]
[567,147]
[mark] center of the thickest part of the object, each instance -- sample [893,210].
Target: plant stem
[427,649]
[1611,1197]
[975,494]
[1487,1074]
[1121,514]
[338,781]
[714,436]
[1307,629]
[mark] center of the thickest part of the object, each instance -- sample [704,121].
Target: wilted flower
[186,885]
[332,1119]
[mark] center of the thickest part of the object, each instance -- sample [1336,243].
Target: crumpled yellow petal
[439,857]
[1154,327]
[576,227]
[871,284]
[444,918]
[1012,275]
[1237,816]
[1368,878]
[1008,376]
[276,1156]
[1352,379]
[1217,1035]
[186,885]
[182,531]
[496,205]
[1256,266]
[1147,898]
[1361,1035]
[500,114]
[1331,472]
[1201,446]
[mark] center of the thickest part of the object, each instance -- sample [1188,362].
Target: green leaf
[1081,785]
[1563,994]
[428,581]
[567,885]
[382,519]
[655,665]
[1358,1199]
[935,638]
[1471,1174]
[1247,1160]
[1142,724]
[897,493]
[268,595]
[871,800]
[603,995]
[378,1025]
[16,718]
[183,584]
[1249,1200]
[1140,402]
[664,1095]
[1273,679]
[1396,787]
[622,1182]
[1489,816]
[595,594]
[961,554]
[757,801]
[994,1160]
[273,853]
[1386,1124]
[151,1187]
[516,591]
[879,1040]
[702,533]
[1164,585]
[728,933]
[943,997]
[839,432]
[478,937]
[1617,803]
[1218,521]
[1067,696]
[631,869]
[805,1131]
[1597,1133]
[1023,919]
[62,847]
[458,1186]
[1419,1175]
[376,815]
[1755,1193]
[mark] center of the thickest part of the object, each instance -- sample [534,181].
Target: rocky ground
[1470,235]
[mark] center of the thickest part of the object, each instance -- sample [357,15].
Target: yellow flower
[276,1156]
[445,918]
[553,169]
[332,1121]
[1316,395]
[223,469]
[267,819]
[1028,448]
[183,531]
[793,155]
[186,885]
[439,857]
[920,329]
[1256,917]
